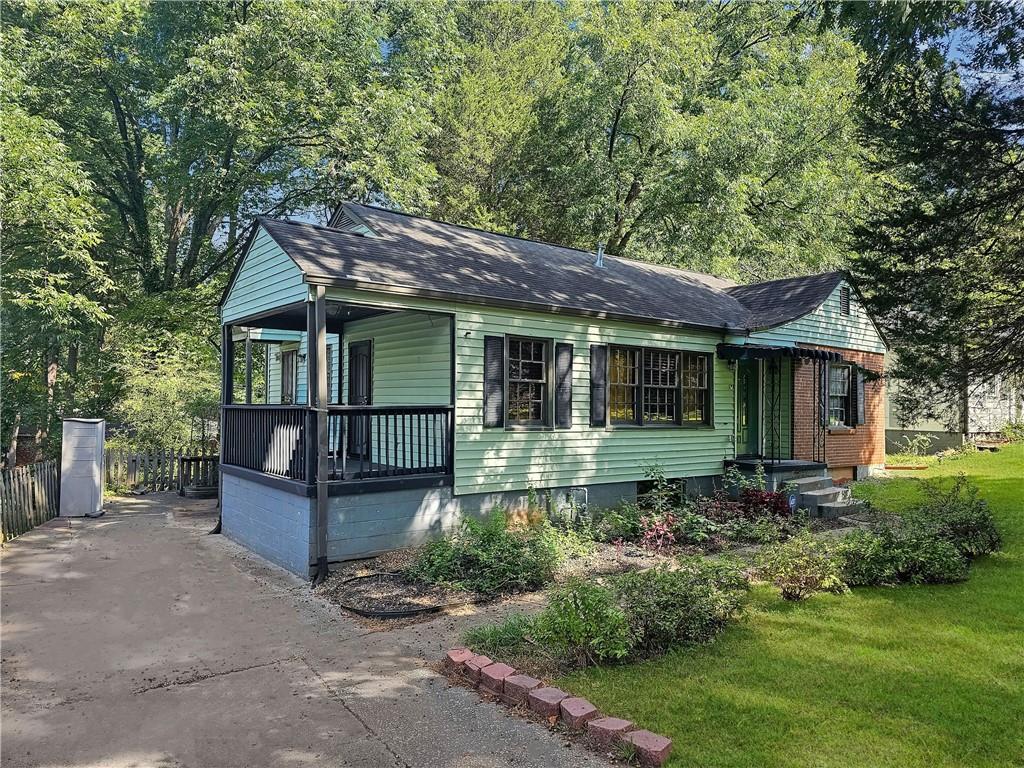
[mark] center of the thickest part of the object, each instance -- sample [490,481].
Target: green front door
[748,405]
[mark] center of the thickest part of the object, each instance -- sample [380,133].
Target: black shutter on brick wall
[859,390]
[494,381]
[563,385]
[598,385]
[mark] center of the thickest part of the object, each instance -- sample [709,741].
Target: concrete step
[811,483]
[830,510]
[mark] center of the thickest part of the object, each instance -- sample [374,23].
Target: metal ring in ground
[405,613]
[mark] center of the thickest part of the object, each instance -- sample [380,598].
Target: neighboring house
[989,407]
[456,370]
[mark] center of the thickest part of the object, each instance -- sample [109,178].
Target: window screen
[661,387]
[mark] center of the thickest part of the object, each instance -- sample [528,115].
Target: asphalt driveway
[136,640]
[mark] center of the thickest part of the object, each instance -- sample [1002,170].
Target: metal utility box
[81,467]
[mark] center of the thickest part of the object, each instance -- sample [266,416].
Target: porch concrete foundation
[280,525]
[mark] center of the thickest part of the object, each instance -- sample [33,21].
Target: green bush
[893,555]
[666,608]
[490,558]
[619,523]
[800,567]
[583,621]
[868,559]
[930,561]
[957,515]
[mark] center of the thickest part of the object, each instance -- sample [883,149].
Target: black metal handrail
[382,441]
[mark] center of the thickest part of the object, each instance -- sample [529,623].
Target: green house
[386,375]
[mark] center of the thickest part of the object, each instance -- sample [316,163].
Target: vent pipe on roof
[599,262]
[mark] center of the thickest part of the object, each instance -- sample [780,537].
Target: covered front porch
[780,424]
[371,407]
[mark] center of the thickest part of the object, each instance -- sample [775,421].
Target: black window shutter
[598,384]
[859,391]
[563,385]
[494,381]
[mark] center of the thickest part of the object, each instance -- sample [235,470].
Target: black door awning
[762,352]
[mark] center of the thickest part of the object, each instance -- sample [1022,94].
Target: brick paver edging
[578,715]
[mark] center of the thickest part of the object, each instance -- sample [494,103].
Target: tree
[54,287]
[721,137]
[191,119]
[940,255]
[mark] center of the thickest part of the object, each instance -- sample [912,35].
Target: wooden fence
[29,495]
[154,470]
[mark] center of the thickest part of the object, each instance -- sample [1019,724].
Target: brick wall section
[866,443]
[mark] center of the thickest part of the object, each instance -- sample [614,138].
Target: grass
[907,676]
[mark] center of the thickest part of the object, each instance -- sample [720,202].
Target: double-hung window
[696,388]
[528,382]
[839,395]
[658,387]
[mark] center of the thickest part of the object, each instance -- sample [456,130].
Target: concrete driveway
[136,640]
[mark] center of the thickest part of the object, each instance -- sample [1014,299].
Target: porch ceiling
[293,317]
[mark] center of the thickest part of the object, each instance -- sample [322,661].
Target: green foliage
[490,558]
[621,523]
[800,567]
[957,515]
[868,559]
[667,607]
[585,623]
[1014,431]
[930,543]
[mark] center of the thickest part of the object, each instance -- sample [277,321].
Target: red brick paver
[651,748]
[545,701]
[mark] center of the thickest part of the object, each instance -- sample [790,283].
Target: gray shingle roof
[778,301]
[450,261]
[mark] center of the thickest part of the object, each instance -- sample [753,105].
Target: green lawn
[907,676]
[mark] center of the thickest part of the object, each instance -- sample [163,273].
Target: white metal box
[81,467]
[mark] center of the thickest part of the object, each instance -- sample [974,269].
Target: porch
[370,408]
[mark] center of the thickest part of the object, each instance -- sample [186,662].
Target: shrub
[757,503]
[583,620]
[800,567]
[489,558]
[621,523]
[931,561]
[868,559]
[959,516]
[657,531]
[1014,431]
[666,607]
[693,528]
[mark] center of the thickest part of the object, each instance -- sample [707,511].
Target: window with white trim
[527,377]
[839,401]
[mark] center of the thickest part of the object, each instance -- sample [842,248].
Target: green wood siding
[828,327]
[411,357]
[295,340]
[496,459]
[267,279]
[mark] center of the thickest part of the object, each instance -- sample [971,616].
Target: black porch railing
[266,438]
[363,442]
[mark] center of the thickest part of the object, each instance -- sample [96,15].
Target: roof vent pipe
[599,262]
